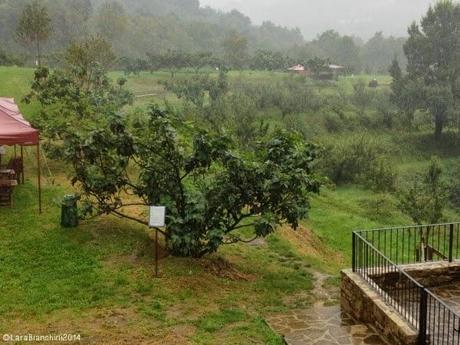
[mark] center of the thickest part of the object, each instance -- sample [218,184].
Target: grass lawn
[97,280]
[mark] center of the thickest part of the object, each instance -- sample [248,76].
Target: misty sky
[358,17]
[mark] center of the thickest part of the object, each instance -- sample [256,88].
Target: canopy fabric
[14,129]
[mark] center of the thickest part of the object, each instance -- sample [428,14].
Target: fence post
[353,252]
[423,317]
[451,242]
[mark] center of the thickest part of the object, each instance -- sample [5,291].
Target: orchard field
[97,280]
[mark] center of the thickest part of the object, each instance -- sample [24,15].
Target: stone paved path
[322,325]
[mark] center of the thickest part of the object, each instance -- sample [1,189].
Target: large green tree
[89,57]
[34,26]
[211,191]
[433,56]
[212,188]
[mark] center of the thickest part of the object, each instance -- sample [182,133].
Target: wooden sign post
[157,220]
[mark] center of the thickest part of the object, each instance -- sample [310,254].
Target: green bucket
[69,211]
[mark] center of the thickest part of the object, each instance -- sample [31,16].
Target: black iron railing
[378,256]
[414,244]
[442,323]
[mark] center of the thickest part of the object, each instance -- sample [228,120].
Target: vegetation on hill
[155,28]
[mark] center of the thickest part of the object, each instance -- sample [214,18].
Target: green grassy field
[97,280]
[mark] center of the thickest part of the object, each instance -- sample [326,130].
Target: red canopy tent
[15,130]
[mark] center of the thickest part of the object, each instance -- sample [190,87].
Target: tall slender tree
[433,53]
[34,27]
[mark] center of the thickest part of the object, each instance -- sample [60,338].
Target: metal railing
[442,323]
[414,244]
[378,256]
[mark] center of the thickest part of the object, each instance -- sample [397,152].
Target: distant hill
[142,26]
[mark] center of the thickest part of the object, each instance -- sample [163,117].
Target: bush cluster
[360,159]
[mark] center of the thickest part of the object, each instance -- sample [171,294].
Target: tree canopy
[433,70]
[34,26]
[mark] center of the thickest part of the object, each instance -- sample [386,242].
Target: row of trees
[234,41]
[373,56]
[141,27]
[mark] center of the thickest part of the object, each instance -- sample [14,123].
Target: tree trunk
[439,126]
[38,52]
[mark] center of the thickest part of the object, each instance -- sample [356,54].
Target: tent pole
[22,164]
[39,179]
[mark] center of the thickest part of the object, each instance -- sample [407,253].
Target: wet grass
[107,264]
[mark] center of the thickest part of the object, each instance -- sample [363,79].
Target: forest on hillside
[141,27]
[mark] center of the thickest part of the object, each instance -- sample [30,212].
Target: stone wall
[363,303]
[434,274]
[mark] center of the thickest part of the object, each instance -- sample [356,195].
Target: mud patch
[221,268]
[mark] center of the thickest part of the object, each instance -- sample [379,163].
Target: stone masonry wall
[434,274]
[361,302]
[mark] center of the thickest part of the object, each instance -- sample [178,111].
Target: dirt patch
[222,268]
[307,243]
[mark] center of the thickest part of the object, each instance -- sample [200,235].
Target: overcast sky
[358,17]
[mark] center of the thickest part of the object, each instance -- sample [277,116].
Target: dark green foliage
[209,190]
[433,58]
[360,159]
[133,66]
[138,27]
[425,199]
[70,102]
[405,93]
[78,97]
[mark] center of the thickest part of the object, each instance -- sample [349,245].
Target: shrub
[360,159]
[362,97]
[426,197]
[381,176]
[333,123]
[9,60]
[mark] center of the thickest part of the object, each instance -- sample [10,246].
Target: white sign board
[157,216]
